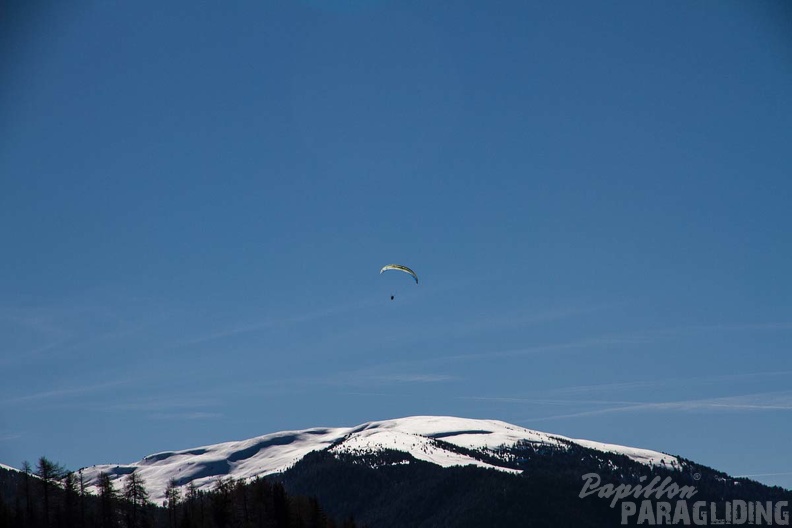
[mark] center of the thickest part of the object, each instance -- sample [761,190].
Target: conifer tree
[108,497]
[28,519]
[193,506]
[70,500]
[172,498]
[49,472]
[136,500]
[222,502]
[81,491]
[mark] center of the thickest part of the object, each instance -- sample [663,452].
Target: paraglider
[399,267]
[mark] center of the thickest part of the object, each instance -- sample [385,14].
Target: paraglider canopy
[399,267]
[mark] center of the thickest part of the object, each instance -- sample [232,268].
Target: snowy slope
[273,453]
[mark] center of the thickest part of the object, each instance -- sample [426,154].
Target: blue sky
[195,202]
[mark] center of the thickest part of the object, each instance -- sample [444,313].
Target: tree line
[49,496]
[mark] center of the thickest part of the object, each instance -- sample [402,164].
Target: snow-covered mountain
[428,438]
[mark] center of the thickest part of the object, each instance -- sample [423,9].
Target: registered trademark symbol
[696,476]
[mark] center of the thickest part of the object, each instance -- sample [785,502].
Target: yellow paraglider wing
[399,267]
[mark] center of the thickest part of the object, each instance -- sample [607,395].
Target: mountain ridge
[444,441]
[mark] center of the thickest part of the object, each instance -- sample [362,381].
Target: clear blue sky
[195,202]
